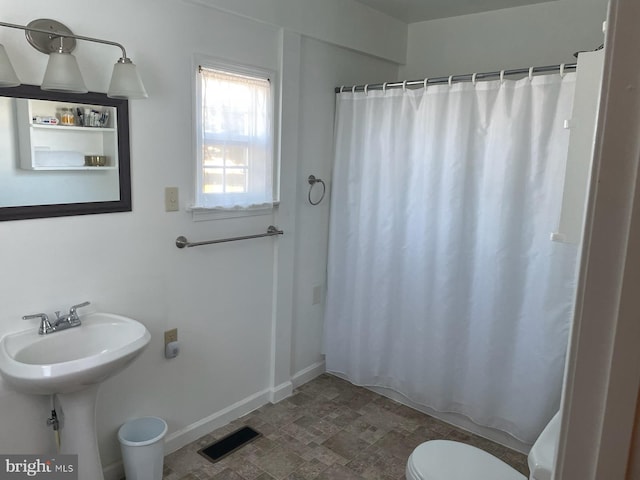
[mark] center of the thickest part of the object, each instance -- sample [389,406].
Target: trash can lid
[142,431]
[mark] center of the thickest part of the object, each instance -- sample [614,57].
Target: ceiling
[411,11]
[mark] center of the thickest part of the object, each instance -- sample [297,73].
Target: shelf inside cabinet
[63,147]
[72,128]
[95,169]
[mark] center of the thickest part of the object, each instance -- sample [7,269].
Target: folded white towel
[58,159]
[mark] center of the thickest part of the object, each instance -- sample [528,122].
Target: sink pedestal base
[78,432]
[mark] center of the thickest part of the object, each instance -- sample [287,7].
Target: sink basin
[71,364]
[73,359]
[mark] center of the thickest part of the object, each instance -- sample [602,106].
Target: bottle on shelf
[67,117]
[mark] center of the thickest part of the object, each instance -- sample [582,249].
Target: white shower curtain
[443,283]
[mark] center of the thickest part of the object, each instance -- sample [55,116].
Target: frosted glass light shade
[8,77]
[125,81]
[63,74]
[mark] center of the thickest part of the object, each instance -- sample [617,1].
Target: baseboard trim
[216,420]
[280,392]
[182,437]
[115,471]
[307,374]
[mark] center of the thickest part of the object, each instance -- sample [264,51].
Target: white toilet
[447,460]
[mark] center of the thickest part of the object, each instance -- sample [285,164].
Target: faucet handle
[45,325]
[72,310]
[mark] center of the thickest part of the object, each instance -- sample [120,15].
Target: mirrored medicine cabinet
[62,154]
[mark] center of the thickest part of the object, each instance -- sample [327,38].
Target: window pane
[235,105]
[220,156]
[213,156]
[236,142]
[213,180]
[235,180]
[236,156]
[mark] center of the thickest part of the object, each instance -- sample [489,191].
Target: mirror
[62,154]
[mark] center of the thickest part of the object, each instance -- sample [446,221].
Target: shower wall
[541,34]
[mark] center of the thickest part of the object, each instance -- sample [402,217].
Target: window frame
[211,213]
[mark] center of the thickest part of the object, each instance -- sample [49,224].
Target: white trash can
[142,445]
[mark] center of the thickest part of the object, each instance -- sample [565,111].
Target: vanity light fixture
[8,77]
[62,73]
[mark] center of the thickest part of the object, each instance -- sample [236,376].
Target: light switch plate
[171,203]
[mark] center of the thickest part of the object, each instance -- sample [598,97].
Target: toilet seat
[447,460]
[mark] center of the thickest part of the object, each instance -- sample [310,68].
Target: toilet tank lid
[543,453]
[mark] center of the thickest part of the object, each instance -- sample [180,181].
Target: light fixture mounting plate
[49,42]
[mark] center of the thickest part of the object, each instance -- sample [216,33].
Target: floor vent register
[229,444]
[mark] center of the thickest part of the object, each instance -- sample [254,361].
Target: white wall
[221,297]
[323,67]
[534,35]
[340,22]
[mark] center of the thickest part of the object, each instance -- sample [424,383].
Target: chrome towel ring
[312,181]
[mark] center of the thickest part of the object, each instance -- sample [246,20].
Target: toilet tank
[543,453]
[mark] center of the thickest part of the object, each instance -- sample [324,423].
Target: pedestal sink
[71,364]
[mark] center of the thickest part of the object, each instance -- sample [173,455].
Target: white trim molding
[307,374]
[280,392]
[176,440]
[603,364]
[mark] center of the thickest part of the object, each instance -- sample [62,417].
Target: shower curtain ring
[312,181]
[366,89]
[562,70]
[501,76]
[384,87]
[404,86]
[341,88]
[473,78]
[426,80]
[353,89]
[531,73]
[450,80]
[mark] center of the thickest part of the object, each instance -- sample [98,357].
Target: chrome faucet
[62,322]
[45,325]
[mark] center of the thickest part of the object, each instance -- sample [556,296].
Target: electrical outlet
[170,336]
[171,203]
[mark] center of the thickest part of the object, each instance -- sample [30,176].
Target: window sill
[207,214]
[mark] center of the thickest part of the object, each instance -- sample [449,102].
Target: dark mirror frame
[85,208]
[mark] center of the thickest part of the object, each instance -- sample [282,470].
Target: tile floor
[327,430]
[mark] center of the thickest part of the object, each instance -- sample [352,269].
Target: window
[235,139]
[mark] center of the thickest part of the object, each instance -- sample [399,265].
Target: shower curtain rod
[458,78]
